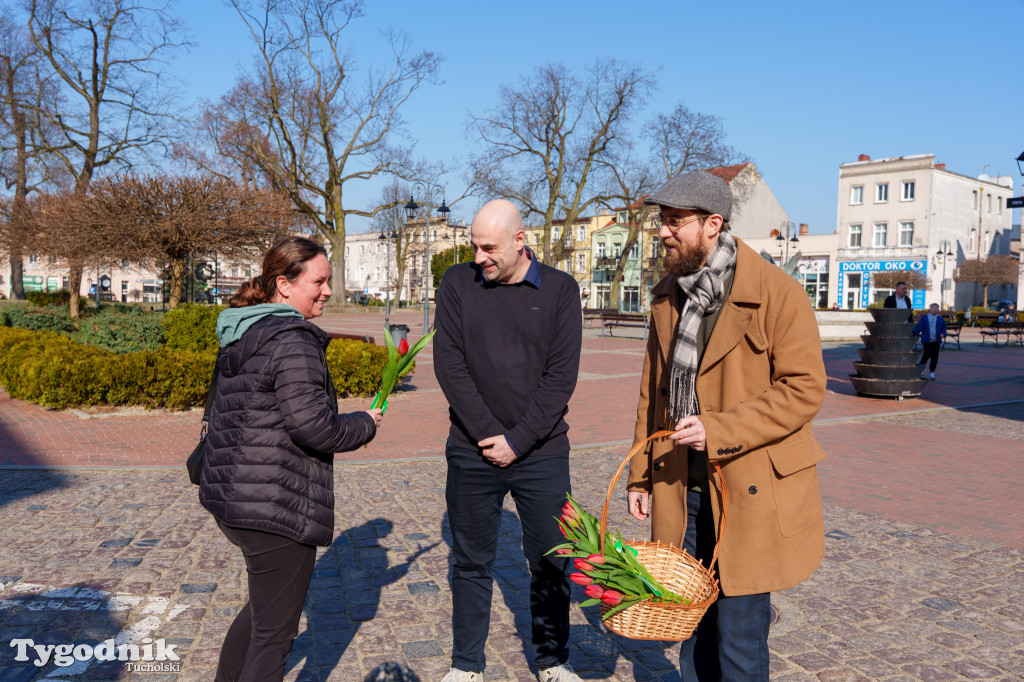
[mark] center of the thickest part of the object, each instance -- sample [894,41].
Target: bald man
[506,354]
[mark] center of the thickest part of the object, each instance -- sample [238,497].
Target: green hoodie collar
[234,322]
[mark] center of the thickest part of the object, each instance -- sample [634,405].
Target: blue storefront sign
[868,267]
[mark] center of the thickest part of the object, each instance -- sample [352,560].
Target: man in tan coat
[734,369]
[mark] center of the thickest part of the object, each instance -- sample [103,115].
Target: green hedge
[53,298]
[50,318]
[56,371]
[121,328]
[192,326]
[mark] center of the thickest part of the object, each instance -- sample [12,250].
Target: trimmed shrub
[356,367]
[193,327]
[121,328]
[51,318]
[43,299]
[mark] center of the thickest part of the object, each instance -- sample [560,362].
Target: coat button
[752,490]
[721,451]
[664,391]
[657,467]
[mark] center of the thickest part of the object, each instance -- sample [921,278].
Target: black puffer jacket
[273,433]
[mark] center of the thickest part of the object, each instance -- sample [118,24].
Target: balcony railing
[605,262]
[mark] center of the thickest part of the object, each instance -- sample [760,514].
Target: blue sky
[802,86]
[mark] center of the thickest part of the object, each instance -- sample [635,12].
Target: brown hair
[287,258]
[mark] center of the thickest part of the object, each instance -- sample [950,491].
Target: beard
[685,261]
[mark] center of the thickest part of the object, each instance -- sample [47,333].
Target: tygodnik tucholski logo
[152,656]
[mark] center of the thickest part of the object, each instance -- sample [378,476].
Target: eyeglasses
[675,223]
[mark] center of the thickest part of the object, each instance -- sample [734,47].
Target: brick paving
[923,578]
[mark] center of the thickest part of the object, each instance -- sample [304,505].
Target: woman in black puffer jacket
[268,472]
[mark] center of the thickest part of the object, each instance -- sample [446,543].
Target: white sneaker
[456,675]
[924,375]
[931,375]
[560,673]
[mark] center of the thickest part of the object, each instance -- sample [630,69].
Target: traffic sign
[1015,202]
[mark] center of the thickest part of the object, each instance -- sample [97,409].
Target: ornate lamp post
[788,229]
[428,192]
[944,253]
[387,236]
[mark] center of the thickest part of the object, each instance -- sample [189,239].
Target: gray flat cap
[695,191]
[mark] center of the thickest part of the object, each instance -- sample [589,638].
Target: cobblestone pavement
[923,578]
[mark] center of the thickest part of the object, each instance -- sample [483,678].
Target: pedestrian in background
[932,329]
[899,299]
[268,475]
[734,368]
[507,354]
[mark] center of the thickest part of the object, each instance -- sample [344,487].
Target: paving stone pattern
[89,554]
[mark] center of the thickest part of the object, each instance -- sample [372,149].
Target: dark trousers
[731,641]
[260,638]
[474,493]
[931,352]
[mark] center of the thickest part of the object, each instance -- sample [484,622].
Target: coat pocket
[795,484]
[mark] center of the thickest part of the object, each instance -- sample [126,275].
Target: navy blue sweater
[507,357]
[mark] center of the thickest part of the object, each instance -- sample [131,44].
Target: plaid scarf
[703,294]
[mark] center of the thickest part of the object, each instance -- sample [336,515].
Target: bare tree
[890,278]
[164,221]
[988,271]
[300,119]
[544,138]
[106,55]
[392,221]
[681,141]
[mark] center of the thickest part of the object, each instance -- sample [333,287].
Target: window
[907,191]
[882,193]
[555,233]
[857,194]
[881,229]
[600,249]
[125,264]
[984,246]
[999,202]
[907,234]
[634,252]
[655,247]
[581,262]
[623,217]
[988,203]
[33,259]
[974,196]
[616,249]
[855,236]
[970,244]
[581,233]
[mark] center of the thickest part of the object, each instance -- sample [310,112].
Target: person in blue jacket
[932,329]
[268,476]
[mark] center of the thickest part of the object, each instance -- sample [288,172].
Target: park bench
[1012,331]
[953,333]
[352,337]
[610,319]
[591,315]
[984,317]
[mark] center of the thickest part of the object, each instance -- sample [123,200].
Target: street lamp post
[428,192]
[944,253]
[387,236]
[788,229]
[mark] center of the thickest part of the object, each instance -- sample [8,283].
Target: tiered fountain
[888,366]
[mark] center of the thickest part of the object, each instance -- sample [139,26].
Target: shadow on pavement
[345,593]
[31,481]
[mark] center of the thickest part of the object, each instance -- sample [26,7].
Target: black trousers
[260,638]
[475,490]
[931,353]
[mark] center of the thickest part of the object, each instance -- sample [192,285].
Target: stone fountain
[888,366]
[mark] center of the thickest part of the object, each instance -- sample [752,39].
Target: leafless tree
[392,221]
[301,122]
[890,278]
[678,142]
[544,138]
[164,221]
[988,271]
[106,56]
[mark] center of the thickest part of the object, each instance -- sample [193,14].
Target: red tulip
[564,550]
[596,559]
[612,597]
[594,591]
[582,565]
[581,579]
[568,512]
[403,347]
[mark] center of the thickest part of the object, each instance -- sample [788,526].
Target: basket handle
[615,479]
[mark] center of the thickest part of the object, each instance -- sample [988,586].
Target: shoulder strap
[212,392]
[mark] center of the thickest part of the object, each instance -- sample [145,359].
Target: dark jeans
[731,641]
[260,638]
[474,493]
[931,352]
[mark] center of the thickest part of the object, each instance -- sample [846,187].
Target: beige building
[755,210]
[905,213]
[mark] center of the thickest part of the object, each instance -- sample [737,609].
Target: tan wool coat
[760,383]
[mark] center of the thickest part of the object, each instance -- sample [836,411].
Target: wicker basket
[672,567]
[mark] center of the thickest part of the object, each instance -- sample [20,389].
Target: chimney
[940,166]
[863,157]
[803,229]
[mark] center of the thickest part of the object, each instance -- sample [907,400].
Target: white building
[900,213]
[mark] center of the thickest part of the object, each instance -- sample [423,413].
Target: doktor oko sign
[868,267]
